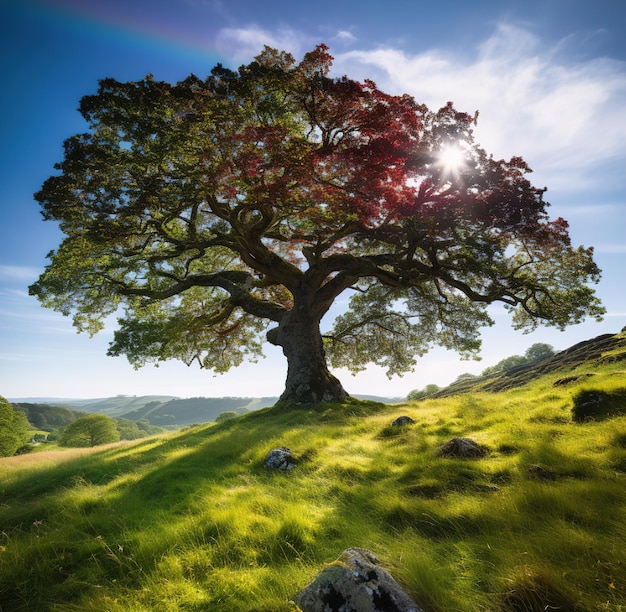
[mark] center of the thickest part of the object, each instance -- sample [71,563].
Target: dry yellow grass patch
[54,457]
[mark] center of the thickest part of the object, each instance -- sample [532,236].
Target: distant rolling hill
[161,410]
[121,403]
[167,410]
[177,412]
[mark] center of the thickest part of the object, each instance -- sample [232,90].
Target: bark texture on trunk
[308,379]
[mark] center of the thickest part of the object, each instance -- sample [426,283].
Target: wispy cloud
[15,293]
[345,36]
[591,210]
[19,273]
[33,316]
[566,117]
[563,116]
[615,249]
[242,44]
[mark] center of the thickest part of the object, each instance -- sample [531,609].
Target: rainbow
[181,30]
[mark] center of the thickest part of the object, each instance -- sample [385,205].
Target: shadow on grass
[110,517]
[195,508]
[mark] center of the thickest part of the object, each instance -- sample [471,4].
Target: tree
[225,416]
[133,430]
[465,377]
[14,428]
[538,352]
[90,430]
[128,430]
[505,364]
[418,394]
[210,210]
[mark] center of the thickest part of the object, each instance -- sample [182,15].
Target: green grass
[191,520]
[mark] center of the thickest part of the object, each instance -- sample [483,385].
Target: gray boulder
[280,458]
[463,448]
[355,582]
[402,421]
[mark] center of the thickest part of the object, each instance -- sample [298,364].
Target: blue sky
[548,77]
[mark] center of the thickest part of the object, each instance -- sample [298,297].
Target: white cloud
[564,117]
[242,44]
[32,316]
[591,210]
[14,293]
[20,273]
[345,36]
[616,249]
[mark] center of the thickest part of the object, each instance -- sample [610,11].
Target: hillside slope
[192,520]
[590,353]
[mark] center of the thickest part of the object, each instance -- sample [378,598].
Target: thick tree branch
[237,284]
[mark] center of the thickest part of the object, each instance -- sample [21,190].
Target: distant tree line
[46,417]
[418,394]
[537,352]
[42,423]
[67,427]
[96,429]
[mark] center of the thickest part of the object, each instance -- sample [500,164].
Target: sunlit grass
[192,520]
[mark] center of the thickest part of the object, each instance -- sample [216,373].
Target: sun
[451,159]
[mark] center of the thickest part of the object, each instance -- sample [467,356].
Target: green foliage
[13,429]
[508,363]
[418,394]
[536,352]
[192,519]
[90,430]
[147,428]
[224,416]
[133,430]
[46,417]
[25,449]
[205,212]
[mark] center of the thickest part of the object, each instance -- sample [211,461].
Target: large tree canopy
[212,210]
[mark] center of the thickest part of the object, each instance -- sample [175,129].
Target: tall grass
[191,520]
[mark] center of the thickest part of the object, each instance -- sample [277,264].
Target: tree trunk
[308,379]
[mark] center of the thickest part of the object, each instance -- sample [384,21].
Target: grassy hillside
[191,520]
